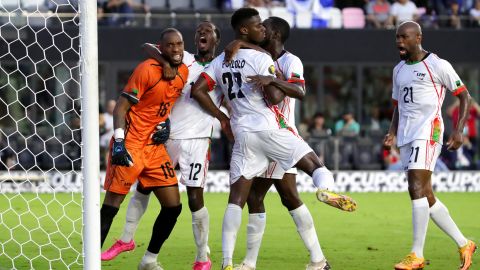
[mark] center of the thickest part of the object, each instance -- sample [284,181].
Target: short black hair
[242,14]
[280,25]
[168,30]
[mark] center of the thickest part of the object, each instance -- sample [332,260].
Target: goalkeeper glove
[163,132]
[120,155]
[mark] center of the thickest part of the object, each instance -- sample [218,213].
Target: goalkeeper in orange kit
[138,151]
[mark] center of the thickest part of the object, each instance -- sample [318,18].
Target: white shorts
[192,155]
[253,152]
[420,155]
[274,171]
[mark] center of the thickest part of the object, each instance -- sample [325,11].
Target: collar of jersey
[201,63]
[416,62]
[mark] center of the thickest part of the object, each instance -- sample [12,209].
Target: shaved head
[409,41]
[410,26]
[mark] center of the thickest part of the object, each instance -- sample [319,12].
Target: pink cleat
[118,247]
[202,265]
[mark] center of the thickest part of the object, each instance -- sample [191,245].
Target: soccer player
[290,69]
[137,152]
[188,146]
[260,132]
[420,81]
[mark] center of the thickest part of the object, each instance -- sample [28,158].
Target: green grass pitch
[374,237]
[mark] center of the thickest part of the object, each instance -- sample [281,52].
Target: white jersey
[419,89]
[188,120]
[292,69]
[250,109]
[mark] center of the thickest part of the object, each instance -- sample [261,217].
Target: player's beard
[405,56]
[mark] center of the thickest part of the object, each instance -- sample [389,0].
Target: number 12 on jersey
[229,78]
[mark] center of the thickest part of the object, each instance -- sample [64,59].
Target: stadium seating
[353,18]
[180,5]
[303,19]
[263,12]
[207,6]
[157,5]
[335,18]
[283,13]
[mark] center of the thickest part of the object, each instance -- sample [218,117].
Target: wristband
[119,133]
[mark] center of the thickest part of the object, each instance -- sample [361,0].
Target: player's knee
[256,206]
[291,201]
[171,213]
[143,190]
[195,199]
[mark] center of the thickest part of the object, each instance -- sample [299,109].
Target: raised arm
[232,48]
[153,52]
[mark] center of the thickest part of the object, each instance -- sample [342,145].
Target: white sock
[200,225]
[231,223]
[440,215]
[305,227]
[323,178]
[255,229]
[149,257]
[420,217]
[136,208]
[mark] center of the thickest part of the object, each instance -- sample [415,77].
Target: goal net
[41,199]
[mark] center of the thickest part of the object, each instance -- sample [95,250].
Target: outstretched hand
[455,141]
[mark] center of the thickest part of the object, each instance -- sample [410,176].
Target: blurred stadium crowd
[309,13]
[344,132]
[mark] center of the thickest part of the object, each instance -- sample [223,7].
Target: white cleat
[150,266]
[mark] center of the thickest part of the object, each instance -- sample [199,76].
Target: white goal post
[49,135]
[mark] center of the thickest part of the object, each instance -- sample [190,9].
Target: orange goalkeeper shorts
[151,166]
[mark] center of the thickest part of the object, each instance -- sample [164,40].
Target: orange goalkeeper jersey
[152,99]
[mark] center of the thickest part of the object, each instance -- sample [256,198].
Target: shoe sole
[343,202]
[416,268]
[469,262]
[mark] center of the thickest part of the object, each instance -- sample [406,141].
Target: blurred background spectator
[403,10]
[347,126]
[454,20]
[391,159]
[475,14]
[378,12]
[471,127]
[118,12]
[318,129]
